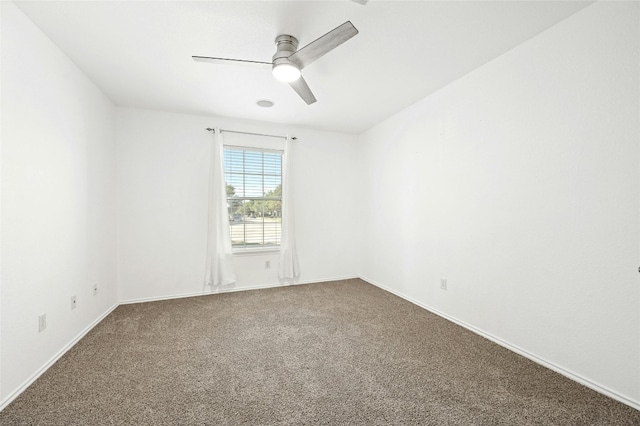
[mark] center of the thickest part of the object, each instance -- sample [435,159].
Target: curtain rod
[209,129]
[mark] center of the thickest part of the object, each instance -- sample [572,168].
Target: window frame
[255,250]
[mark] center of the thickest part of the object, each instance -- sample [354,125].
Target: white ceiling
[139,52]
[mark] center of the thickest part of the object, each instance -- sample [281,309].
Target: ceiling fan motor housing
[286,45]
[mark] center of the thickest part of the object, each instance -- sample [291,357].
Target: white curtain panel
[288,268]
[220,269]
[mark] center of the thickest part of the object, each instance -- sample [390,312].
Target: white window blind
[254,196]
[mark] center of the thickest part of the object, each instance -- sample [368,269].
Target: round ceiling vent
[264,103]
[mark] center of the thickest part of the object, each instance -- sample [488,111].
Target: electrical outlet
[95,289]
[267,264]
[42,322]
[443,283]
[74,304]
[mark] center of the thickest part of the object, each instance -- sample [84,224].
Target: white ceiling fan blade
[302,89]
[362,2]
[319,47]
[210,59]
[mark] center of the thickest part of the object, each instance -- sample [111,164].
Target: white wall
[163,175]
[519,184]
[58,195]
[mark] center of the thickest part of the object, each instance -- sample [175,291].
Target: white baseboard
[13,395]
[228,289]
[548,364]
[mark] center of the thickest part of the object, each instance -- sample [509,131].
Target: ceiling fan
[288,62]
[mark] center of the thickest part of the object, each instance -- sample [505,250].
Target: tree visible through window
[254,196]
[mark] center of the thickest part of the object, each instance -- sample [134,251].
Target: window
[254,196]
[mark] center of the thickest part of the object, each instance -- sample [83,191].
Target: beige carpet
[339,353]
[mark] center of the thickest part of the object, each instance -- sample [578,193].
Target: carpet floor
[338,353]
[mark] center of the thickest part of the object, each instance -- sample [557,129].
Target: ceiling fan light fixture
[286,72]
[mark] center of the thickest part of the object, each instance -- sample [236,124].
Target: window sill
[256,251]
